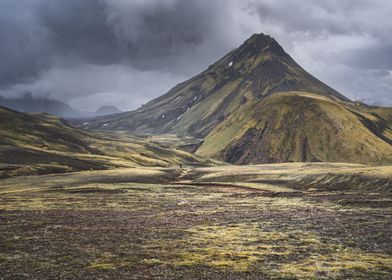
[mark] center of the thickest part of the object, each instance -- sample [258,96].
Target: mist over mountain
[28,103]
[107,110]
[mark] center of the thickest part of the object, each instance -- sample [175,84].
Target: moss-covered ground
[73,229]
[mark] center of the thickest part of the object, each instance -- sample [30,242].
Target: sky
[125,52]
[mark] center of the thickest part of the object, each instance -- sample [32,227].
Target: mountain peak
[256,70]
[260,37]
[259,43]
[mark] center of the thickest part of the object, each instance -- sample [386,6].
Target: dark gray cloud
[125,52]
[24,49]
[78,31]
[377,57]
[172,35]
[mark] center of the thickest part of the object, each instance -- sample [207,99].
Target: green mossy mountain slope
[301,127]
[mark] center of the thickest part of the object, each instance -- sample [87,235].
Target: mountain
[29,104]
[300,127]
[258,68]
[107,110]
[41,144]
[257,105]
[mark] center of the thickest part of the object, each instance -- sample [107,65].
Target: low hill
[300,127]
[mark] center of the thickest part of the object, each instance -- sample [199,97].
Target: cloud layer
[125,52]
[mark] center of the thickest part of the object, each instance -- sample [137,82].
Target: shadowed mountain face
[258,68]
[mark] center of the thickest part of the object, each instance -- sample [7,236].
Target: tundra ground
[196,224]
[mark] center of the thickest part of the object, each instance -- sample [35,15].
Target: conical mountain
[258,68]
[257,105]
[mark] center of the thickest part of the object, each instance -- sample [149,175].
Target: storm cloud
[125,52]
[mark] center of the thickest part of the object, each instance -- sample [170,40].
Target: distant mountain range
[29,104]
[257,105]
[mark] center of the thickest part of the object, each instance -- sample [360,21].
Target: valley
[252,169]
[32,144]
